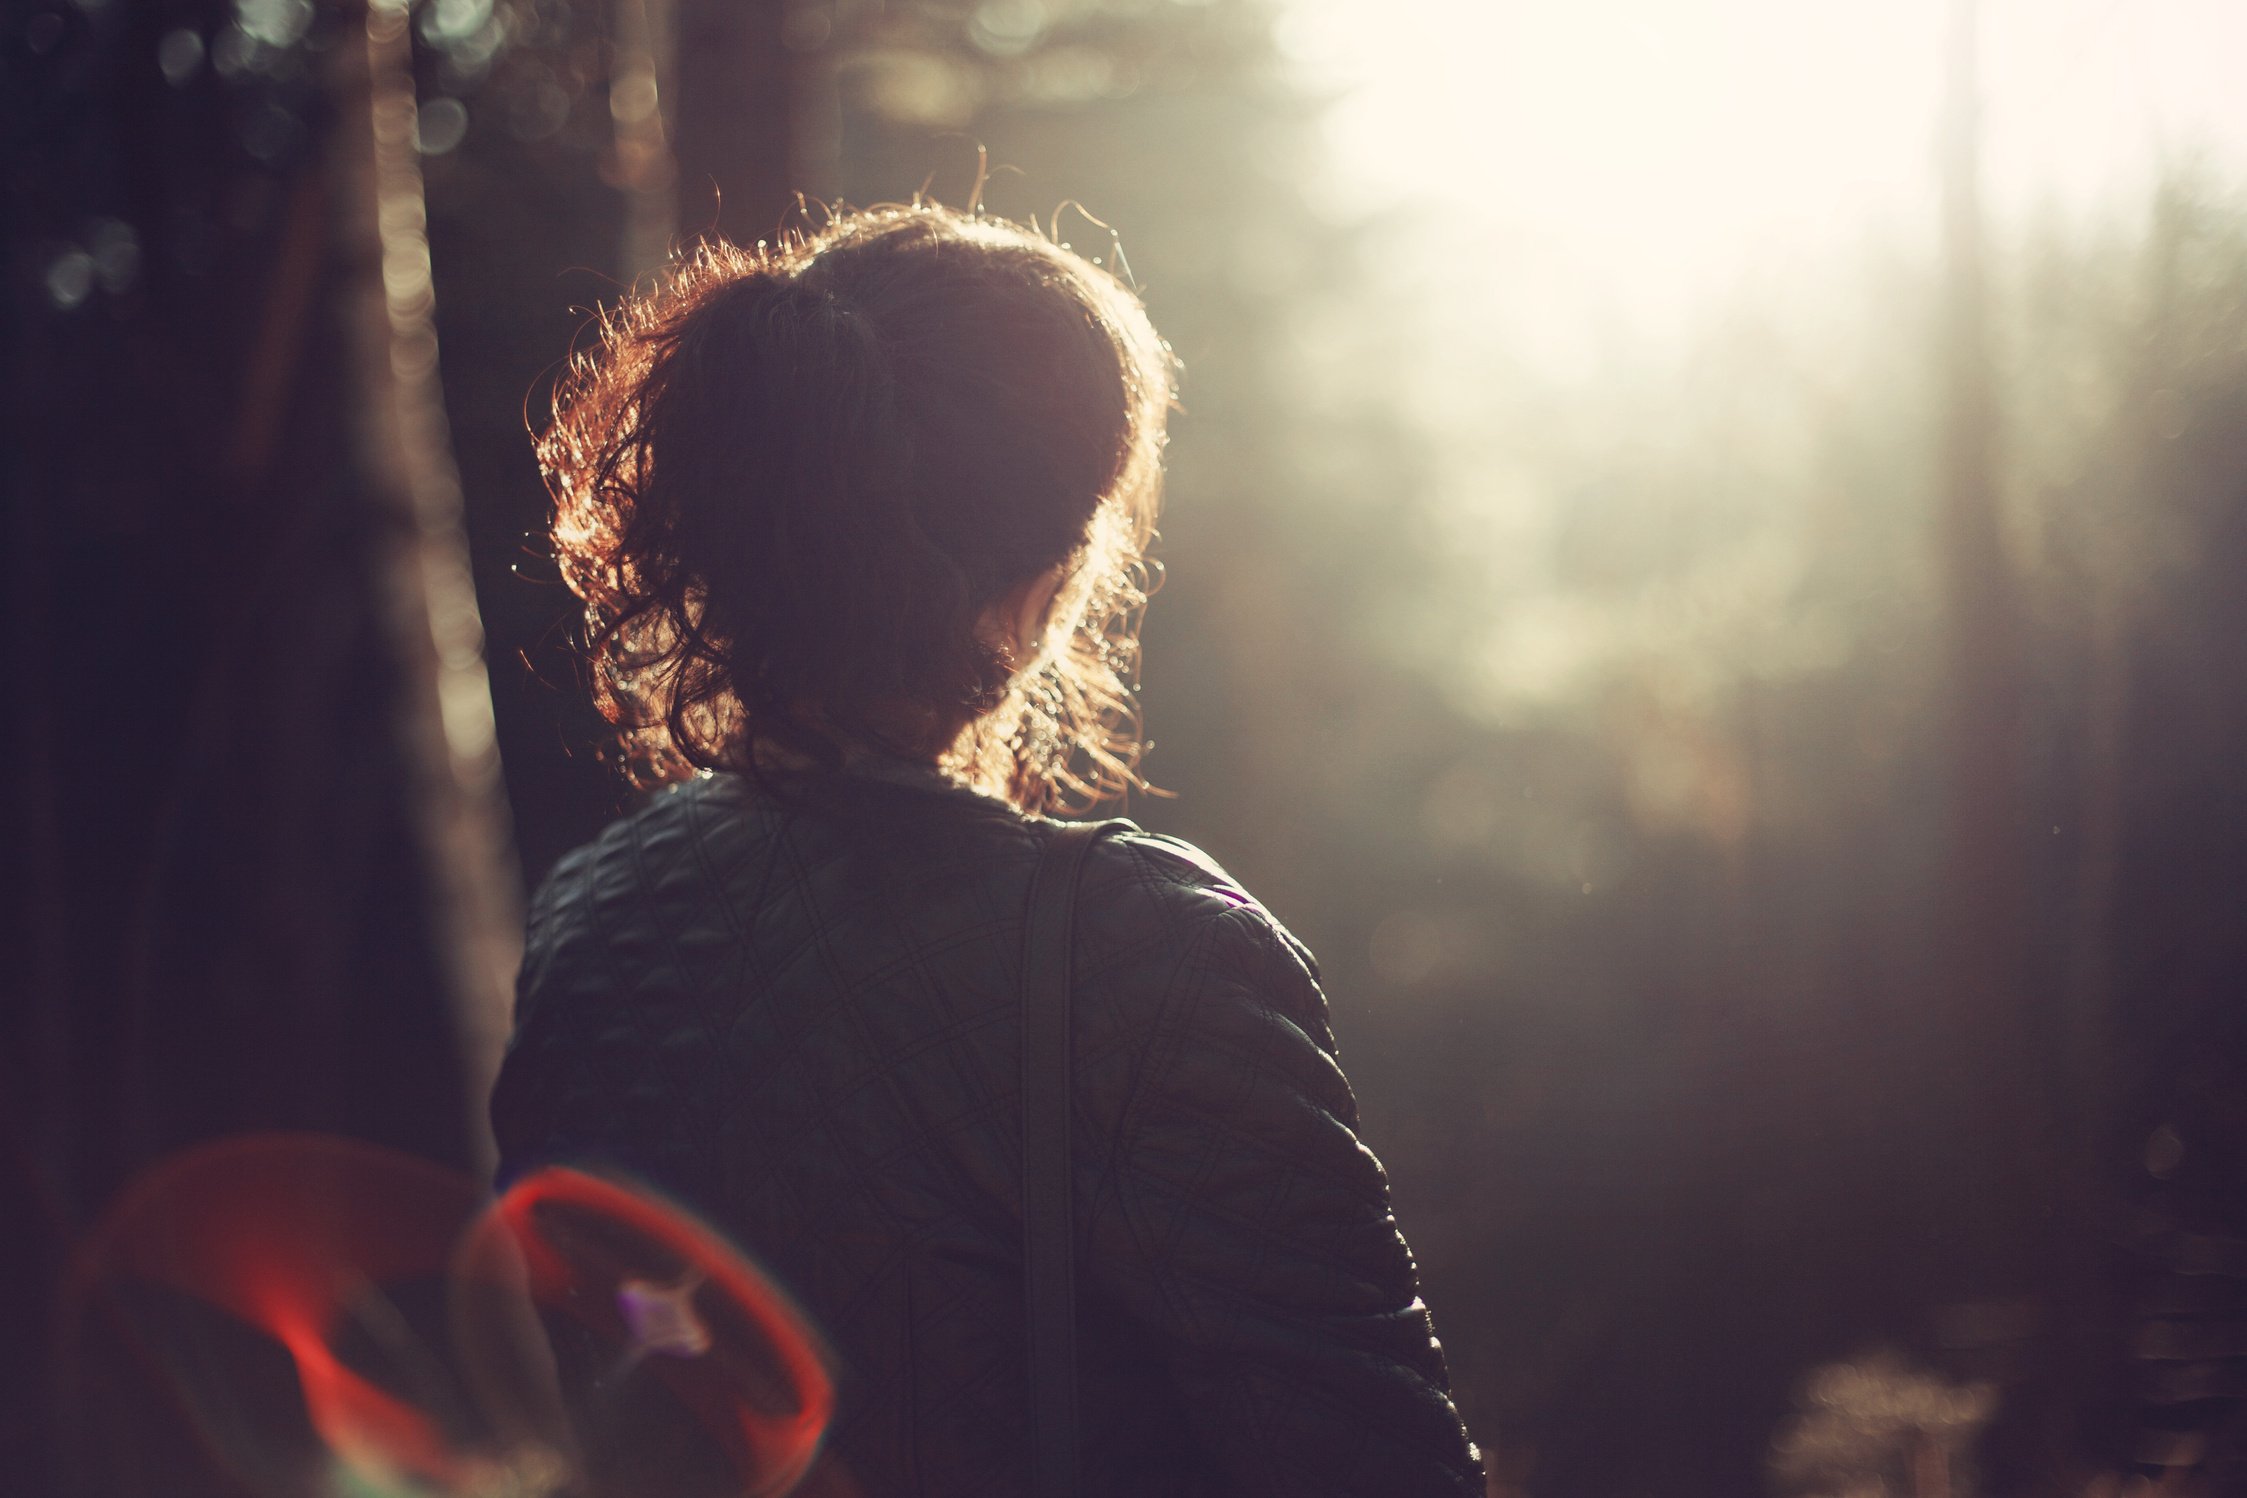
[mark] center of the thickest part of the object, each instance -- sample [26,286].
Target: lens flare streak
[315,1241]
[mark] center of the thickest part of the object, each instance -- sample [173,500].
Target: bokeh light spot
[440,125]
[70,277]
[179,56]
[277,23]
[41,32]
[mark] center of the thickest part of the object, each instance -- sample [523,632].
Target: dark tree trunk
[528,234]
[733,118]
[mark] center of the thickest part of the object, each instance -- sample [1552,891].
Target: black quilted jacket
[801,1020]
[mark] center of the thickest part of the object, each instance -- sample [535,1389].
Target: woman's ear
[1014,623]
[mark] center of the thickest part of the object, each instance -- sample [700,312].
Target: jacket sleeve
[1250,1230]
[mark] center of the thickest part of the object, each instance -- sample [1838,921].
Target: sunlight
[1632,158]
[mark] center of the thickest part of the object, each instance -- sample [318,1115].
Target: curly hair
[790,482]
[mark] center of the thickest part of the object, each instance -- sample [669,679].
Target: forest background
[1765,796]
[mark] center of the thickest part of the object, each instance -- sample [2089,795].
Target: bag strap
[1048,1219]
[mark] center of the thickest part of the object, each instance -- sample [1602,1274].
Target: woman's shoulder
[633,876]
[1182,970]
[1163,868]
[1159,889]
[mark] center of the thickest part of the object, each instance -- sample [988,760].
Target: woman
[859,526]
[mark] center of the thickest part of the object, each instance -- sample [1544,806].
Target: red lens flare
[578,1335]
[658,1300]
[290,1234]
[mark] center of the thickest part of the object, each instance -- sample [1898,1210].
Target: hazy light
[1639,155]
[1623,296]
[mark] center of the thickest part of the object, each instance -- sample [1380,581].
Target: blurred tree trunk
[2033,1101]
[534,218]
[528,230]
[2113,573]
[426,584]
[641,81]
[733,120]
[1983,914]
[248,852]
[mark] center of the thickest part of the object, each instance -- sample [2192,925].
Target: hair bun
[789,483]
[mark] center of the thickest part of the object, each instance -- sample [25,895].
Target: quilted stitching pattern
[802,1021]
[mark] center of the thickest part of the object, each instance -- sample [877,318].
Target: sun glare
[1632,158]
